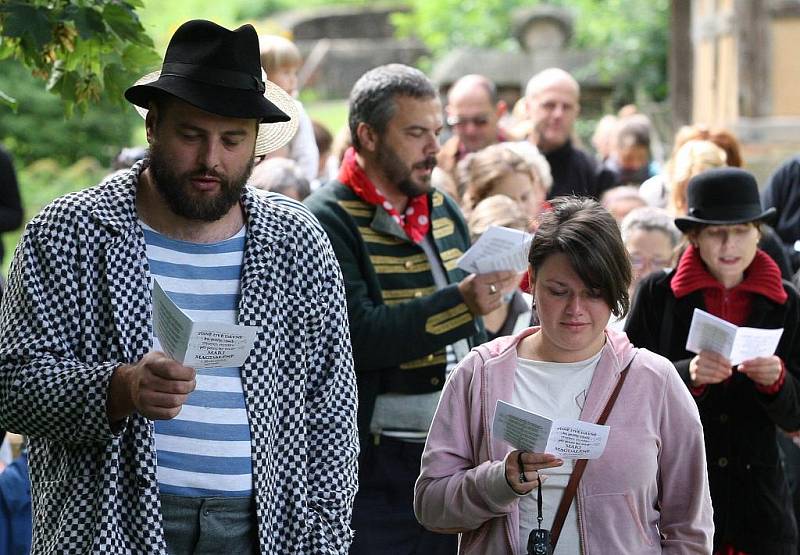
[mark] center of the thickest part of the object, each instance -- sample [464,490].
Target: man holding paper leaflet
[413,312]
[486,463]
[242,439]
[723,272]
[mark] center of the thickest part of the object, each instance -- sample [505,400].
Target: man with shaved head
[473,111]
[552,99]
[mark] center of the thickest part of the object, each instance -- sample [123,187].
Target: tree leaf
[29,23]
[88,21]
[125,23]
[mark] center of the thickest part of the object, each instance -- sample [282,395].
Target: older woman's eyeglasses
[640,262]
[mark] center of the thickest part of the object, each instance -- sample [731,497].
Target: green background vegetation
[101,46]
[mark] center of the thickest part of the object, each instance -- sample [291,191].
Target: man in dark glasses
[473,111]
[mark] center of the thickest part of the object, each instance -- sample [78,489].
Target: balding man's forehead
[552,79]
[472,87]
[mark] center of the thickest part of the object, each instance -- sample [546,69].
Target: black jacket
[400,324]
[783,193]
[10,202]
[576,173]
[752,503]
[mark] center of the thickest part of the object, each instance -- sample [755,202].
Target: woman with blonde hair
[692,158]
[656,189]
[502,169]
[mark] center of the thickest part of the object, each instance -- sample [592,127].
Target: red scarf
[762,277]
[415,221]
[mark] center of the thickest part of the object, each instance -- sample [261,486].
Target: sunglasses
[477,121]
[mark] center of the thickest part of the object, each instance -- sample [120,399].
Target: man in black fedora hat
[131,450]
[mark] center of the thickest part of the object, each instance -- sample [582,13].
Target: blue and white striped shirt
[205,450]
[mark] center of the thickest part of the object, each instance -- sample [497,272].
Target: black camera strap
[539,539]
[539,516]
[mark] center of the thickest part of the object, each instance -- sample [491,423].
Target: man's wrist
[119,403]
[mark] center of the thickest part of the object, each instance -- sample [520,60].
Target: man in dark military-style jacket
[413,314]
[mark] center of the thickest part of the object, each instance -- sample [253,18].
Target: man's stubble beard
[176,189]
[399,174]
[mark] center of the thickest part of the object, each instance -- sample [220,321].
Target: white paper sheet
[199,344]
[737,344]
[564,438]
[498,249]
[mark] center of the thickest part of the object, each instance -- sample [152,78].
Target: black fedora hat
[219,71]
[723,196]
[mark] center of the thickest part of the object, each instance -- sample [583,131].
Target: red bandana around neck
[415,221]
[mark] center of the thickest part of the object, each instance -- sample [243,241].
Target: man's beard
[399,174]
[179,195]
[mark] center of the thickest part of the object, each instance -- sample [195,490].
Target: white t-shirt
[553,390]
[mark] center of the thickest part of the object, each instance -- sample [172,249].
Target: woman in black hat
[722,271]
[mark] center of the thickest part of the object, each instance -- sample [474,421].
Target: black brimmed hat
[219,71]
[723,196]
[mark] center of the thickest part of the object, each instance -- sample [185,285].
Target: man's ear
[367,137]
[151,122]
[529,106]
[501,109]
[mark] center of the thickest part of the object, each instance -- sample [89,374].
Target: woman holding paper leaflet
[646,493]
[723,272]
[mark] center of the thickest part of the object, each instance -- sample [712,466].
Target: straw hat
[219,71]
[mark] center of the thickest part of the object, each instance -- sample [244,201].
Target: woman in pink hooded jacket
[647,492]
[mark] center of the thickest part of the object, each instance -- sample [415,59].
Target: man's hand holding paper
[160,385]
[199,344]
[483,293]
[496,262]
[498,249]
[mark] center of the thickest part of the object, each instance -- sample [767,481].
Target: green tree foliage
[38,129]
[84,49]
[630,36]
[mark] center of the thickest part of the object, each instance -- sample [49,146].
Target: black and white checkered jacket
[78,304]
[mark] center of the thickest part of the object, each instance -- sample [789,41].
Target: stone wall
[341,43]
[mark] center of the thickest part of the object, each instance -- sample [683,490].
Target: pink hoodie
[647,493]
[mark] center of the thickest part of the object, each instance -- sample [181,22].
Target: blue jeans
[209,525]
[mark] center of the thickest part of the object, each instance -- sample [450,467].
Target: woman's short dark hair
[589,236]
[372,100]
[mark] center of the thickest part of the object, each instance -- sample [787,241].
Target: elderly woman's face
[573,317]
[650,251]
[727,250]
